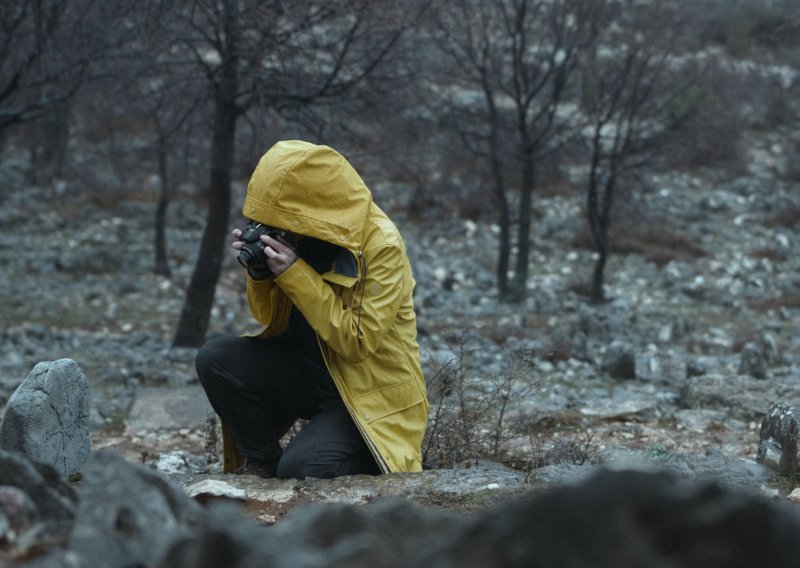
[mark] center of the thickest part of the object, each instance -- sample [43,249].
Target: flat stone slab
[157,409]
[267,500]
[487,484]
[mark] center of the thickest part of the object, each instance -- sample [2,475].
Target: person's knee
[309,463]
[323,463]
[291,466]
[209,355]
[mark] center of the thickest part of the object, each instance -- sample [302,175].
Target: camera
[252,252]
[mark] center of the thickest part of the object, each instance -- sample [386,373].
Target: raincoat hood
[310,190]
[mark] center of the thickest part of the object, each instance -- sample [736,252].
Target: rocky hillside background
[705,264]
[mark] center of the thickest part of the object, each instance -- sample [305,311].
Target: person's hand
[238,243]
[281,254]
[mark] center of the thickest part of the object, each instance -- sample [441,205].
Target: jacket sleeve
[268,304]
[353,331]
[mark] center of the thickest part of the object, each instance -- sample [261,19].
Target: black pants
[260,386]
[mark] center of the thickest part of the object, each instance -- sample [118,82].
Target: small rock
[772,353]
[207,489]
[619,361]
[699,420]
[180,462]
[752,362]
[777,446]
[695,369]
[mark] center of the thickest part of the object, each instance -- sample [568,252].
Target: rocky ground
[710,266]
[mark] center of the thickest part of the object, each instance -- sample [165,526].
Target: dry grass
[108,200]
[791,300]
[655,242]
[557,187]
[788,217]
[769,253]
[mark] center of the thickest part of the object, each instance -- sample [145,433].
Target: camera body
[252,254]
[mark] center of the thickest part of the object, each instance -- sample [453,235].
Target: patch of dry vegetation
[788,217]
[471,421]
[656,242]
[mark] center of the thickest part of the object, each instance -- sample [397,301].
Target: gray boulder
[36,505]
[55,499]
[629,518]
[611,519]
[129,515]
[47,417]
[777,439]
[224,538]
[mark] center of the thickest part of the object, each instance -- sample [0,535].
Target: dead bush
[470,414]
[472,420]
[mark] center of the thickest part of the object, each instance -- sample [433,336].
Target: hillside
[705,265]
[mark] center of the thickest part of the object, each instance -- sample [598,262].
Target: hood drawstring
[363,264]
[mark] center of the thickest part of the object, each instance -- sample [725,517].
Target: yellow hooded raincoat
[361,309]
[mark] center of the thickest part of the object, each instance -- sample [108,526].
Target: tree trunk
[599,224]
[501,199]
[49,145]
[598,288]
[518,288]
[164,197]
[196,312]
[504,215]
[504,250]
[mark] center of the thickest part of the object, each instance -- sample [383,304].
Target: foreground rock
[130,515]
[47,417]
[613,519]
[629,518]
[777,447]
[36,507]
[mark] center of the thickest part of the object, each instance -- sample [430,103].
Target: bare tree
[286,56]
[515,62]
[171,104]
[48,49]
[631,81]
[151,81]
[30,81]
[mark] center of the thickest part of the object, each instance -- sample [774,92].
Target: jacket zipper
[373,450]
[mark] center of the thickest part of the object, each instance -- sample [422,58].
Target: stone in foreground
[47,417]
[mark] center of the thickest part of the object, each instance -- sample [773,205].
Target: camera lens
[251,255]
[245,259]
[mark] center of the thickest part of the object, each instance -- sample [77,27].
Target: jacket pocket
[387,400]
